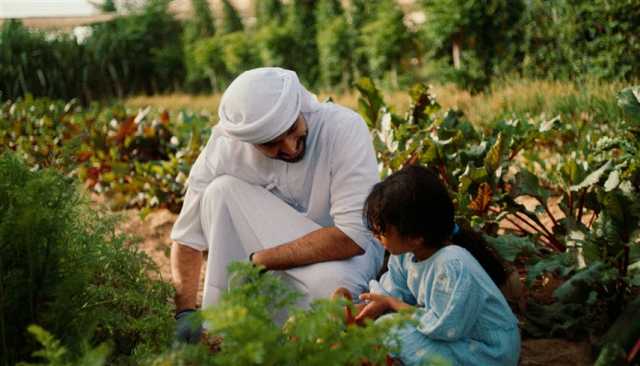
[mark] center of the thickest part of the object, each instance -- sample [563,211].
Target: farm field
[527,111]
[509,177]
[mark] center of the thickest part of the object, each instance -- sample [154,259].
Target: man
[281,182]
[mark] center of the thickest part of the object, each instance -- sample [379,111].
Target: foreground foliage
[243,321]
[64,268]
[318,336]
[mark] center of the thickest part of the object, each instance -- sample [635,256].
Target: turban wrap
[262,104]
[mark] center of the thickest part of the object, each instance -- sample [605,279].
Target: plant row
[559,200]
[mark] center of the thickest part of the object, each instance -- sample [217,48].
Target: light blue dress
[462,315]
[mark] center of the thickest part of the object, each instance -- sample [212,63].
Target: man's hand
[322,245]
[377,305]
[188,326]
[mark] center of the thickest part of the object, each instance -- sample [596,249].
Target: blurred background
[95,50]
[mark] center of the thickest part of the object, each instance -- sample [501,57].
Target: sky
[45,8]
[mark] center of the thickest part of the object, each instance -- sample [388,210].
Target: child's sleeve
[393,282]
[454,304]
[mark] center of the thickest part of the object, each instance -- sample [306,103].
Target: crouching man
[281,182]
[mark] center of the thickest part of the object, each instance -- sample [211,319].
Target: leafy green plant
[581,220]
[231,20]
[55,354]
[243,319]
[100,66]
[64,268]
[474,37]
[386,41]
[135,158]
[336,41]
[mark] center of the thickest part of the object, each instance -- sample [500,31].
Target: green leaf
[510,246]
[495,155]
[578,287]
[592,178]
[370,102]
[471,175]
[629,101]
[613,181]
[528,184]
[561,263]
[550,124]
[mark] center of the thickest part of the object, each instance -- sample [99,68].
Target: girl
[448,275]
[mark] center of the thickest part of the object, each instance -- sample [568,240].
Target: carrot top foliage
[64,268]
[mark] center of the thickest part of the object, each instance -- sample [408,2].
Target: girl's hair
[417,204]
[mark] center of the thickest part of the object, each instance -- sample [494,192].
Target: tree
[475,36]
[335,39]
[302,29]
[268,11]
[326,11]
[386,40]
[231,20]
[360,13]
[108,6]
[202,24]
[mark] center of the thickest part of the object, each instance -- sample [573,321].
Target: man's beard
[300,156]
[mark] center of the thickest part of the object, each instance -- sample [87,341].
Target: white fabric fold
[263,103]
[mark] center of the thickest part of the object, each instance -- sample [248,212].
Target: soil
[153,232]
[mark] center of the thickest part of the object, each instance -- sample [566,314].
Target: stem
[3,336]
[546,209]
[570,203]
[523,230]
[540,238]
[443,171]
[634,352]
[513,154]
[557,245]
[625,261]
[581,205]
[593,218]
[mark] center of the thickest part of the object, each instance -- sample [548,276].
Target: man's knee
[322,285]
[221,187]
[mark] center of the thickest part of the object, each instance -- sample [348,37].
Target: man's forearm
[185,269]
[326,244]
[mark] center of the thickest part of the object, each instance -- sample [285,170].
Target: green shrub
[268,11]
[318,336]
[302,56]
[136,53]
[30,63]
[387,42]
[336,42]
[486,33]
[64,268]
[591,234]
[231,20]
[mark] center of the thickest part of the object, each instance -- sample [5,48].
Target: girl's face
[395,243]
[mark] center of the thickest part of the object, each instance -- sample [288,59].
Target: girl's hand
[376,306]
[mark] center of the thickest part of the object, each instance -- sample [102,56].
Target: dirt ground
[154,230]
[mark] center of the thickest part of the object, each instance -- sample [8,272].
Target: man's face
[290,146]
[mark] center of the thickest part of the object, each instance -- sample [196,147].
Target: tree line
[329,44]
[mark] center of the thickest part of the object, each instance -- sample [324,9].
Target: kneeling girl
[448,274]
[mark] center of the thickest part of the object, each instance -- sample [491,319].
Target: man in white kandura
[281,182]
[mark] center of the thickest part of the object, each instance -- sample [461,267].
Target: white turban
[263,103]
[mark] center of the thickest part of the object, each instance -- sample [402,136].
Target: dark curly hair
[417,204]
